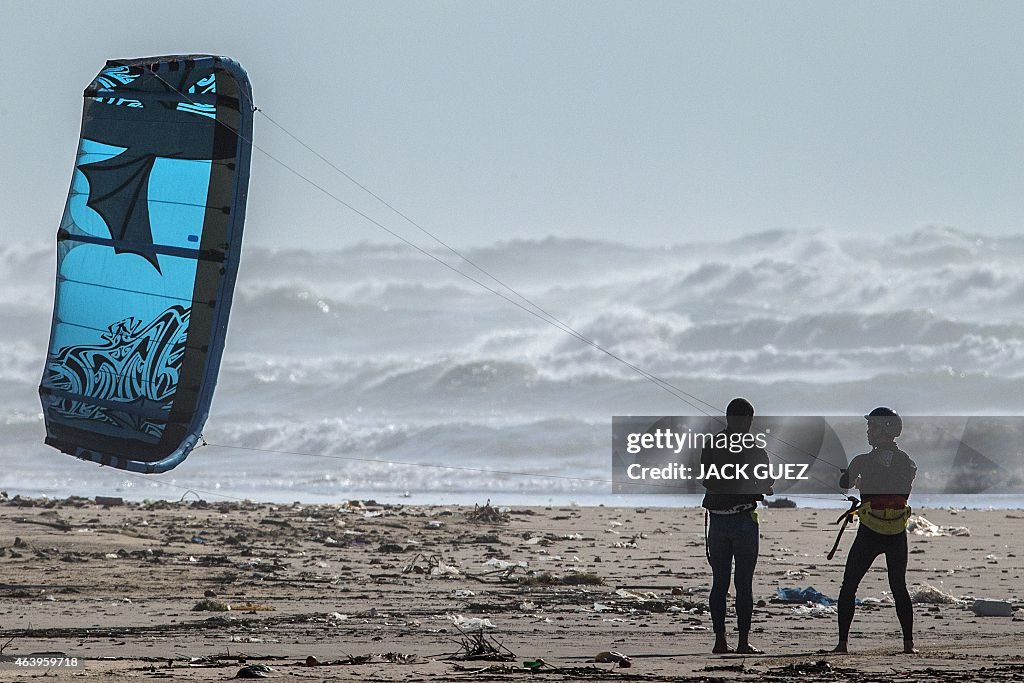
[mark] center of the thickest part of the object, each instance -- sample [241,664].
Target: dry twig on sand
[478,646]
[487,514]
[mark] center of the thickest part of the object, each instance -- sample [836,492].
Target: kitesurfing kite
[147,254]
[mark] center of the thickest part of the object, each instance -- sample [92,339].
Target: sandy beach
[199,590]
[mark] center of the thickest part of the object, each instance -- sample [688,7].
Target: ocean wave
[804,318]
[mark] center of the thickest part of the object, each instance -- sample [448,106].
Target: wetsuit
[885,477]
[733,532]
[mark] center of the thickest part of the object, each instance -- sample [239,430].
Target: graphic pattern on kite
[147,255]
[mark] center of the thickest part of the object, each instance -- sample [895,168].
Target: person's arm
[848,478]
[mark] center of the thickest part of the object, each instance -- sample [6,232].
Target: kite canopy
[147,254]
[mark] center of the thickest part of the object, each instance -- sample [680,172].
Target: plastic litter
[919,526]
[928,594]
[639,597]
[885,600]
[613,658]
[803,595]
[815,610]
[992,608]
[471,623]
[444,569]
[253,671]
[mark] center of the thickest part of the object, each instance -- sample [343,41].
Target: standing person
[884,476]
[732,530]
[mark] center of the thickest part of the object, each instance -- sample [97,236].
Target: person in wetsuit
[884,476]
[731,505]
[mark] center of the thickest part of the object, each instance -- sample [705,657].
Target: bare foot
[748,649]
[721,647]
[908,647]
[840,649]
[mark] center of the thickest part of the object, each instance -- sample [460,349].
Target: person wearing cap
[884,476]
[731,526]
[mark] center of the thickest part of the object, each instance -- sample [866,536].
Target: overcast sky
[641,122]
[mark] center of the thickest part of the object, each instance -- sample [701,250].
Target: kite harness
[845,518]
[707,548]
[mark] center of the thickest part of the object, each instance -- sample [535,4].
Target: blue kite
[147,256]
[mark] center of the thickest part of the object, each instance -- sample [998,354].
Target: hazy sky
[649,122]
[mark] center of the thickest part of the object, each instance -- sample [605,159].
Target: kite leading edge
[147,255]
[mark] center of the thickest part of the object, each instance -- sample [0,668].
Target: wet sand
[374,592]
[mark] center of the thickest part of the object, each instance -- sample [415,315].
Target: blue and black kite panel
[147,254]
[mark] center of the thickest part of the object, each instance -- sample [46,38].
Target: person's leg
[863,552]
[720,550]
[896,554]
[746,547]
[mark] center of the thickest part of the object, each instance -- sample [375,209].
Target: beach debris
[209,605]
[928,594]
[503,564]
[434,565]
[815,610]
[638,597]
[919,526]
[802,669]
[444,569]
[612,657]
[886,600]
[488,514]
[312,661]
[802,595]
[253,671]
[109,501]
[220,620]
[570,579]
[398,657]
[992,608]
[471,623]
[781,503]
[393,548]
[738,668]
[251,607]
[475,644]
[388,657]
